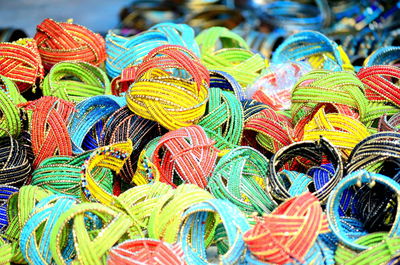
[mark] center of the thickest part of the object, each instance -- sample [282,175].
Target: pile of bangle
[182,145]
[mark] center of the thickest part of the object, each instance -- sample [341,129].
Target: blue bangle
[333,204]
[5,193]
[225,81]
[191,235]
[384,56]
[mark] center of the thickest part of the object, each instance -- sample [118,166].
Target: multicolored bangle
[391,124]
[225,81]
[146,171]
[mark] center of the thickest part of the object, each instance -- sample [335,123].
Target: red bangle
[63,41]
[49,133]
[146,252]
[379,84]
[187,153]
[121,83]
[20,61]
[288,233]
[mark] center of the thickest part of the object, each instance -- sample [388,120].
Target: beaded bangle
[75,81]
[193,231]
[92,238]
[49,133]
[225,81]
[84,121]
[146,171]
[64,41]
[269,129]
[326,87]
[224,119]
[9,97]
[15,166]
[305,154]
[166,217]
[383,56]
[375,110]
[11,90]
[240,177]
[372,152]
[146,251]
[5,252]
[122,51]
[185,155]
[391,124]
[35,235]
[19,207]
[344,132]
[62,175]
[381,249]
[123,125]
[20,61]
[252,107]
[359,177]
[5,192]
[289,232]
[113,157]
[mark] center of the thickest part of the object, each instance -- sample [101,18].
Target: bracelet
[19,207]
[372,153]
[381,250]
[123,125]
[20,61]
[146,171]
[75,81]
[223,121]
[194,230]
[326,87]
[62,175]
[270,130]
[87,120]
[252,107]
[240,177]
[375,110]
[65,41]
[358,178]
[9,97]
[185,155]
[166,218]
[125,51]
[12,91]
[146,251]
[383,56]
[113,157]
[289,232]
[225,81]
[5,252]
[35,235]
[342,131]
[306,154]
[5,193]
[48,128]
[390,124]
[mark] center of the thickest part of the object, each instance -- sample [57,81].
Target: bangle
[5,193]
[113,157]
[306,154]
[95,229]
[194,230]
[49,133]
[62,175]
[19,208]
[239,177]
[146,171]
[383,56]
[378,83]
[374,152]
[391,124]
[270,130]
[9,98]
[123,51]
[342,131]
[223,121]
[65,41]
[123,125]
[87,120]
[381,250]
[34,239]
[20,61]
[225,81]
[166,218]
[146,251]
[289,232]
[252,107]
[326,87]
[5,252]
[185,155]
[386,211]
[375,110]
[75,81]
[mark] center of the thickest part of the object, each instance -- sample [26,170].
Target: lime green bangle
[76,81]
[375,111]
[166,218]
[381,250]
[19,208]
[224,121]
[5,252]
[9,87]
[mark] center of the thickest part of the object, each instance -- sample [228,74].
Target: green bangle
[76,81]
[19,208]
[146,171]
[166,218]
[380,250]
[224,121]
[375,111]
[5,252]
